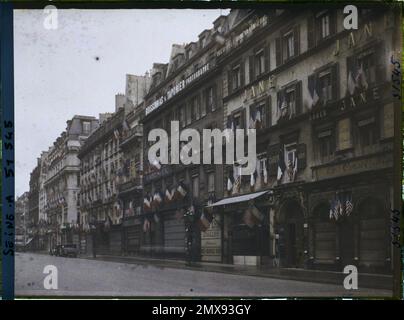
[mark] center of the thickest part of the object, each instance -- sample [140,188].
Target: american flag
[348,205]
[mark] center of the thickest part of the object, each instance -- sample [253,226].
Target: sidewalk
[367,280]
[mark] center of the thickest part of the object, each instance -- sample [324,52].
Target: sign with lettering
[211,242]
[176,89]
[233,42]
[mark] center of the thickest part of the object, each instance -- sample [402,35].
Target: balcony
[131,135]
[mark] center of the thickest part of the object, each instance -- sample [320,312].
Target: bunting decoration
[146,204]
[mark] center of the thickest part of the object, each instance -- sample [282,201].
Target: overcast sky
[57,75]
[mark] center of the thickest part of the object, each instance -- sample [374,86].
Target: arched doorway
[325,236]
[291,235]
[373,234]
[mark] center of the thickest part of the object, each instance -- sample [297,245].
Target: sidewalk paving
[367,280]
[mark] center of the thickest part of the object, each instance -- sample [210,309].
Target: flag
[256,214]
[361,78]
[281,164]
[116,134]
[265,172]
[169,195]
[181,191]
[312,83]
[146,225]
[295,168]
[348,204]
[146,203]
[156,218]
[125,125]
[252,179]
[155,163]
[229,184]
[204,223]
[237,177]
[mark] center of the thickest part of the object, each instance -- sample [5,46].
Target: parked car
[65,250]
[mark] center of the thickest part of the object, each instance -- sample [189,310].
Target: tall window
[236,77]
[182,116]
[259,62]
[368,131]
[325,26]
[325,86]
[86,127]
[326,143]
[289,49]
[368,65]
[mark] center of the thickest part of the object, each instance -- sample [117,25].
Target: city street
[84,277]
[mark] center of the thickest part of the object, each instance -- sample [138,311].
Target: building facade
[62,183]
[185,91]
[33,203]
[318,96]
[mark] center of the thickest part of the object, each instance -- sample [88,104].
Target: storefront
[244,232]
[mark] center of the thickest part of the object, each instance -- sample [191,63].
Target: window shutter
[278,50]
[266,55]
[296,38]
[335,82]
[229,82]
[268,112]
[298,91]
[242,72]
[311,34]
[301,156]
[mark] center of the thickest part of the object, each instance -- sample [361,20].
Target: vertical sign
[211,242]
[7,141]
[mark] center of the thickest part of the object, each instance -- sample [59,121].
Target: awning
[245,197]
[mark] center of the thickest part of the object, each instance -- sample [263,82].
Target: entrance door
[291,235]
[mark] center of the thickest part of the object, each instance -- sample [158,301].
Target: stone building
[32,223]
[62,183]
[42,217]
[186,90]
[104,173]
